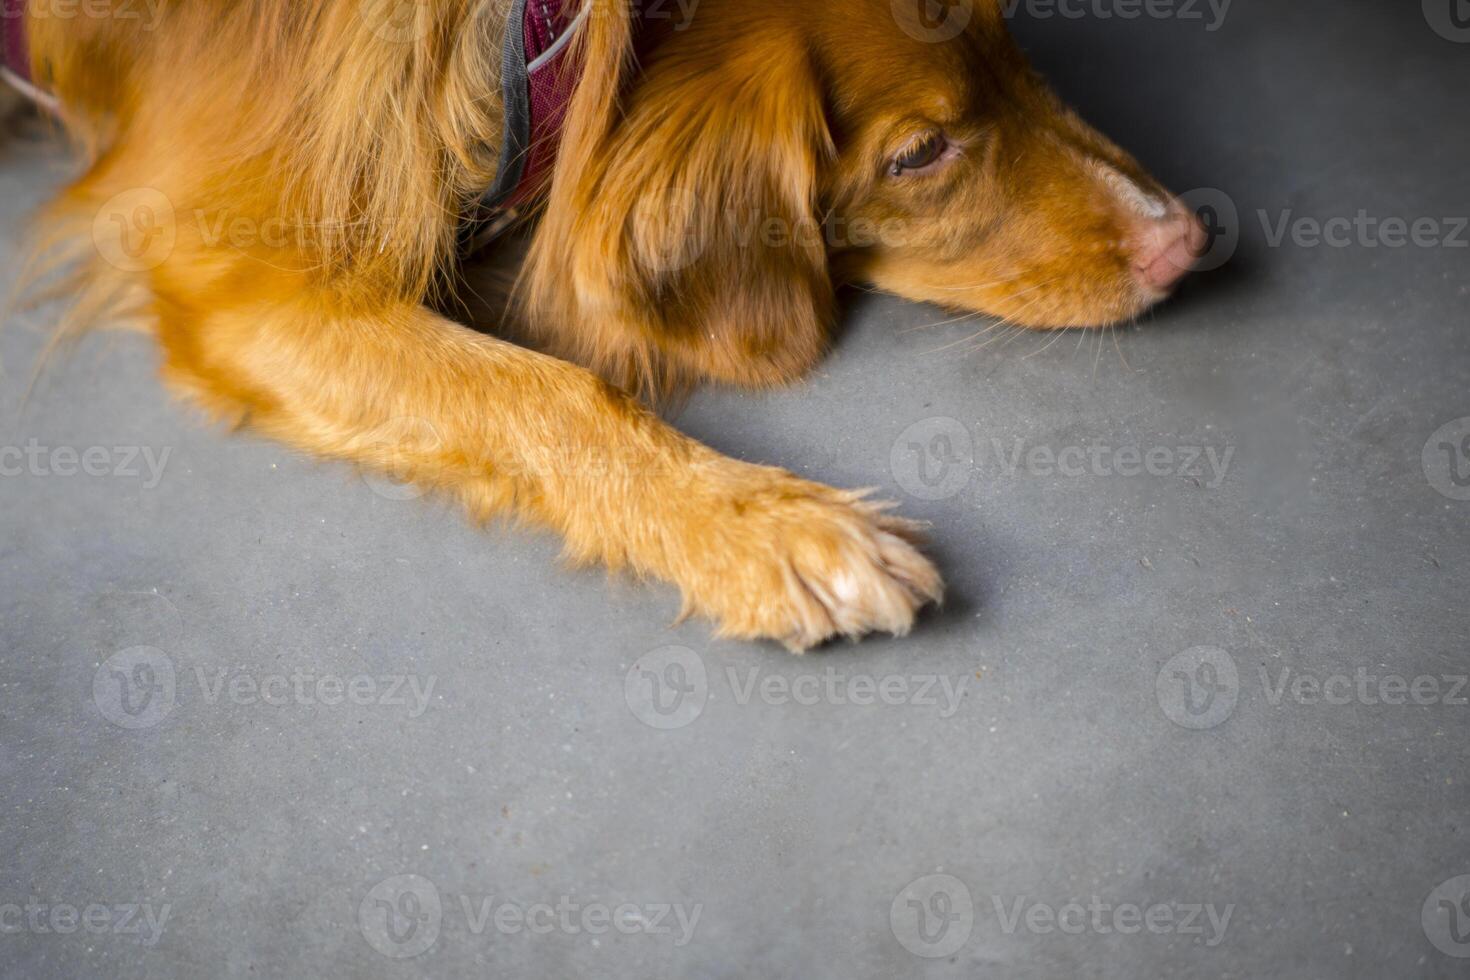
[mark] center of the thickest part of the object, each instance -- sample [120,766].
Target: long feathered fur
[276,190]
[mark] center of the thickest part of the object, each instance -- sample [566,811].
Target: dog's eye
[925,153]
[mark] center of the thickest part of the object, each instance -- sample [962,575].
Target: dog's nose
[1168,247]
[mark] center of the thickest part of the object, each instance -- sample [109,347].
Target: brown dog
[277,188]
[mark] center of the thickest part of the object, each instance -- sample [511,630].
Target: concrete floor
[261,717]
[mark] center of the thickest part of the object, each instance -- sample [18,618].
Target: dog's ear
[689,244]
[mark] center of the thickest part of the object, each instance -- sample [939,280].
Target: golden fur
[305,168]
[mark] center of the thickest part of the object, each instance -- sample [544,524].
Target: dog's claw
[802,563]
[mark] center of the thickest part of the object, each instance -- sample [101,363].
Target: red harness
[538,78]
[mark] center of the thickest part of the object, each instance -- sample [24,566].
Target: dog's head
[987,193]
[764,147]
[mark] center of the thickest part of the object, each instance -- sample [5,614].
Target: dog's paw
[786,559]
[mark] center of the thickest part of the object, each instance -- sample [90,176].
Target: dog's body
[278,188]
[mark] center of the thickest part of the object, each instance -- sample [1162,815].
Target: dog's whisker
[1056,336]
[988,285]
[1009,331]
[1119,348]
[962,318]
[966,340]
[969,316]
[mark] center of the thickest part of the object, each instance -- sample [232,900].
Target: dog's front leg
[766,554]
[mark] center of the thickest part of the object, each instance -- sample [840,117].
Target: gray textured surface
[794,827]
